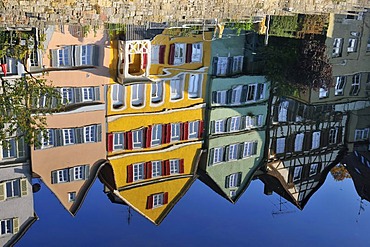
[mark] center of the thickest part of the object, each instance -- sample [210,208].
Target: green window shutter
[70,173]
[254,150]
[228,125]
[87,172]
[54,58]
[23,182]
[226,154]
[211,153]
[15,225]
[2,192]
[54,177]
[97,93]
[239,178]
[240,150]
[58,137]
[78,94]
[227,180]
[98,133]
[212,127]
[79,132]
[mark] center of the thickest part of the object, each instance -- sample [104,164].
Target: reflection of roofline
[22,231]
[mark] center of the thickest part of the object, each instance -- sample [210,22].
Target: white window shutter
[2,192]
[23,183]
[15,225]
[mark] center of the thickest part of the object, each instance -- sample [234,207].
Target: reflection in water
[150,108]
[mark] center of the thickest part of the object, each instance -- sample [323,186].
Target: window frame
[156,168]
[156,138]
[197,52]
[195,86]
[118,141]
[339,85]
[71,136]
[138,172]
[137,139]
[174,166]
[90,133]
[177,88]
[158,200]
[157,92]
[193,130]
[175,132]
[179,54]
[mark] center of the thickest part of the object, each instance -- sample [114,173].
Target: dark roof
[141,32]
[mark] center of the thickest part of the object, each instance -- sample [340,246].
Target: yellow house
[153,182]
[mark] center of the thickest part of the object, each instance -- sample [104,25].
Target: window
[316,140]
[238,64]
[138,171]
[90,133]
[174,166]
[313,169]
[236,95]
[297,173]
[333,133]
[179,54]
[221,66]
[251,92]
[157,200]
[218,155]
[175,132]
[67,95]
[78,172]
[137,138]
[249,149]
[62,176]
[233,152]
[156,135]
[117,96]
[197,53]
[219,126]
[233,180]
[337,47]
[339,85]
[219,97]
[13,188]
[232,193]
[86,54]
[118,141]
[156,169]
[71,196]
[352,45]
[6,226]
[361,134]
[137,94]
[64,58]
[323,92]
[368,45]
[193,130]
[355,89]
[157,91]
[195,86]
[155,54]
[283,111]
[68,136]
[280,145]
[235,124]
[177,85]
[298,143]
[88,93]
[249,122]
[254,92]
[9,149]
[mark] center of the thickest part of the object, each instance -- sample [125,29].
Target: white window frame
[49,141]
[339,85]
[221,66]
[158,200]
[177,87]
[62,176]
[117,95]
[233,180]
[118,141]
[235,123]
[78,172]
[174,166]
[197,52]
[90,133]
[175,132]
[86,54]
[313,169]
[195,86]
[193,130]
[356,84]
[219,126]
[218,154]
[251,93]
[7,225]
[221,97]
[71,196]
[236,95]
[63,57]
[156,135]
[154,59]
[67,95]
[298,142]
[11,150]
[138,172]
[248,149]
[297,174]
[337,47]
[157,92]
[352,45]
[238,64]
[179,54]
[323,92]
[333,135]
[87,94]
[137,94]
[316,139]
[156,168]
[233,152]
[69,136]
[12,188]
[137,139]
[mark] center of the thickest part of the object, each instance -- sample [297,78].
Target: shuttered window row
[13,188]
[157,200]
[75,55]
[154,135]
[181,53]
[240,94]
[13,148]
[61,137]
[226,66]
[233,180]
[9,226]
[70,174]
[301,173]
[152,169]
[233,151]
[236,123]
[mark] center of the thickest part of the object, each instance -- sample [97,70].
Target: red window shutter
[168,133]
[148,166]
[148,139]
[129,140]
[182,133]
[189,52]
[162,50]
[163,168]
[165,197]
[166,167]
[110,142]
[181,165]
[129,174]
[171,56]
[201,128]
[145,60]
[149,202]
[186,130]
[164,130]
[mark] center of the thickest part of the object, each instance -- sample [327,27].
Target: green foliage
[240,26]
[115,29]
[19,107]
